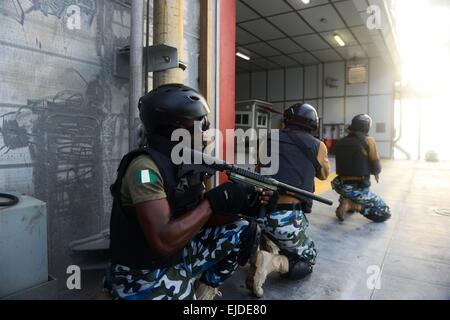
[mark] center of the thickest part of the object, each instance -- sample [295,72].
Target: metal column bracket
[160,58]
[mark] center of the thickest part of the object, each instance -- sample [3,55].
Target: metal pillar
[136,66]
[168,29]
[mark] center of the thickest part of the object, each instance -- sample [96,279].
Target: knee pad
[379,218]
[249,243]
[298,269]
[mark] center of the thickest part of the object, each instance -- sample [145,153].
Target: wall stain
[56,8]
[33,221]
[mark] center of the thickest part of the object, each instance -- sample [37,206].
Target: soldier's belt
[289,206]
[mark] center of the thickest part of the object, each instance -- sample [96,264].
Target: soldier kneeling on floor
[169,238]
[356,160]
[302,157]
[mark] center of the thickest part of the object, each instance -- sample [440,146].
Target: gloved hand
[266,199]
[270,200]
[230,198]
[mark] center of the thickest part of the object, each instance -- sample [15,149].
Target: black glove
[256,206]
[230,198]
[272,205]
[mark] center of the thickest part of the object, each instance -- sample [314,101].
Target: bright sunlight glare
[423,33]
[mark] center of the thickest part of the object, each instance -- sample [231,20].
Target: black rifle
[238,174]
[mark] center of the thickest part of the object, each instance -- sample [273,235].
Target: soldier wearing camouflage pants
[356,159]
[166,231]
[212,256]
[369,204]
[302,157]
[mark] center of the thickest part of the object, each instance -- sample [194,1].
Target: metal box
[23,246]
[43,291]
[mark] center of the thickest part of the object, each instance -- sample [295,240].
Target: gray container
[23,246]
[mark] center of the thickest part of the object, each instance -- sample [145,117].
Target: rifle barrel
[302,192]
[221,165]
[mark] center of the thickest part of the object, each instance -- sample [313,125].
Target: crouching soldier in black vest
[166,231]
[356,159]
[301,158]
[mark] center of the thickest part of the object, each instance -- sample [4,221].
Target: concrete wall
[335,104]
[63,112]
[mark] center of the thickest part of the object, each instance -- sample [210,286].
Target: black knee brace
[249,243]
[379,217]
[298,269]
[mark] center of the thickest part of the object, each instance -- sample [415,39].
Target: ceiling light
[243,56]
[305,1]
[339,40]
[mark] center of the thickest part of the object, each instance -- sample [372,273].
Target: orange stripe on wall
[227,76]
[322,186]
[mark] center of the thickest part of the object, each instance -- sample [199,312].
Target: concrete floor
[412,249]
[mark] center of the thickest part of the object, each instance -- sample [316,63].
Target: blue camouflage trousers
[211,256]
[374,208]
[287,229]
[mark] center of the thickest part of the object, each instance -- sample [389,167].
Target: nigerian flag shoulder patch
[146,176]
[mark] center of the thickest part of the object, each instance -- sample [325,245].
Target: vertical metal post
[168,28]
[136,66]
[147,44]
[206,49]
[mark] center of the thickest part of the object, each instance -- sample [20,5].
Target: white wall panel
[333,110]
[311,84]
[335,71]
[294,84]
[259,86]
[381,77]
[354,106]
[340,104]
[276,85]
[320,79]
[380,109]
[357,89]
[242,86]
[384,149]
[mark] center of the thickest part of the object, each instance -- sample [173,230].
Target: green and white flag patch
[146,176]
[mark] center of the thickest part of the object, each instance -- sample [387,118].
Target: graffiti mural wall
[63,114]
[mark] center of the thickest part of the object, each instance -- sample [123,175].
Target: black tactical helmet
[361,123]
[170,105]
[303,115]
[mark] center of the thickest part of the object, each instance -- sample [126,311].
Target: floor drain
[443,212]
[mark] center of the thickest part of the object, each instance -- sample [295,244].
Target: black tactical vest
[350,159]
[183,186]
[298,160]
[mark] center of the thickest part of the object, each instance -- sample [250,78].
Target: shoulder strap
[365,145]
[362,140]
[305,150]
